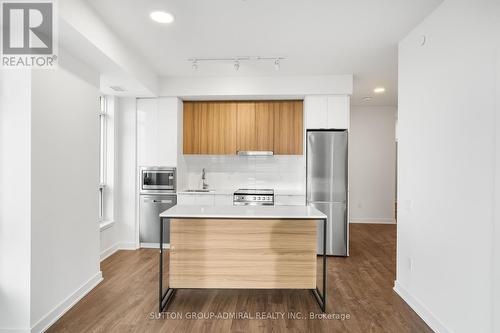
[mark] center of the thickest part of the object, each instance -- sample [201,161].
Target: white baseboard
[15,330]
[50,318]
[374,220]
[427,316]
[118,246]
[127,246]
[154,246]
[109,251]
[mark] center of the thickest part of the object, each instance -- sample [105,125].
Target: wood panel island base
[241,247]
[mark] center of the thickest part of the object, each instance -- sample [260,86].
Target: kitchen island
[241,247]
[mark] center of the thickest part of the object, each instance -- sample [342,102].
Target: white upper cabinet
[157,139]
[316,109]
[327,112]
[338,116]
[168,124]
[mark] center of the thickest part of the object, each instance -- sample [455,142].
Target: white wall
[108,240]
[496,234]
[125,176]
[372,168]
[64,169]
[446,132]
[259,87]
[121,233]
[109,173]
[108,229]
[88,27]
[15,207]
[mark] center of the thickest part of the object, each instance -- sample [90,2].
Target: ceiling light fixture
[236,61]
[379,90]
[366,99]
[277,64]
[161,17]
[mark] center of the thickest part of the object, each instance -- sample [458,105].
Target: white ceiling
[318,37]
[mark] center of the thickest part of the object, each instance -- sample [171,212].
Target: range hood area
[255,153]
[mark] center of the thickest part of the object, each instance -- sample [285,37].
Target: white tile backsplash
[281,173]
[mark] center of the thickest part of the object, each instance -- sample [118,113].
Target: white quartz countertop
[231,191]
[212,192]
[244,212]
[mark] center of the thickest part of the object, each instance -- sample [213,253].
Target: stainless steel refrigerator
[327,186]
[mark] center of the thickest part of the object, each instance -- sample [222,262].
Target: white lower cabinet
[289,200]
[223,200]
[195,199]
[185,199]
[204,199]
[227,199]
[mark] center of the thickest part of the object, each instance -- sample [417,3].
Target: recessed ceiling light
[161,17]
[379,90]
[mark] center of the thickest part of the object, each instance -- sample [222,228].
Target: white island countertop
[244,212]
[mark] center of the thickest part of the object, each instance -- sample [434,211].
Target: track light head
[194,66]
[277,64]
[236,65]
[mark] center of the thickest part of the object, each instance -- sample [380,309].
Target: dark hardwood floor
[359,286]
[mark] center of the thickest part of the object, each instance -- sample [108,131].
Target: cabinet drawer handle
[162,201]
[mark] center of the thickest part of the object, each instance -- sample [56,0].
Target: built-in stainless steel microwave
[158,180]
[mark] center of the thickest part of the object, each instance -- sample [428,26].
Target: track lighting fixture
[237,60]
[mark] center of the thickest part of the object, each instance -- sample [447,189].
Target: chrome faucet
[204,184]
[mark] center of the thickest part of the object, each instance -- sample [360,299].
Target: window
[106,115]
[102,155]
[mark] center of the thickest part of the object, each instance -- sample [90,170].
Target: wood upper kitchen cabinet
[255,126]
[246,136]
[264,129]
[224,128]
[218,134]
[190,129]
[288,127]
[209,128]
